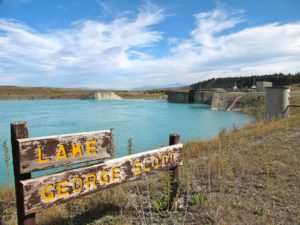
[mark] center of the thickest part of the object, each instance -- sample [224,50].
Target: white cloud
[208,24]
[87,50]
[243,52]
[108,55]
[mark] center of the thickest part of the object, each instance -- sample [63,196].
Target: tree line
[278,79]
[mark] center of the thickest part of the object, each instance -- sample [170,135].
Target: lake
[147,122]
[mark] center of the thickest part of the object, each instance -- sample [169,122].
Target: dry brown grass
[86,210]
[141,95]
[295,98]
[7,204]
[7,193]
[251,176]
[12,92]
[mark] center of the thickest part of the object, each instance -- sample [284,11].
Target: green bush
[197,199]
[160,203]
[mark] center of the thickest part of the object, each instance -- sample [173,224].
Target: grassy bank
[13,92]
[157,94]
[246,176]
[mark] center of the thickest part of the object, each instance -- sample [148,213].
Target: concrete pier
[203,96]
[178,96]
[277,101]
[262,85]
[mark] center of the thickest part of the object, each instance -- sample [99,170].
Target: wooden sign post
[19,130]
[32,154]
[173,140]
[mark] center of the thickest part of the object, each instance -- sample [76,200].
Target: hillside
[247,82]
[15,92]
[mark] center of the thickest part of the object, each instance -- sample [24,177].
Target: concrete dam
[190,96]
[204,96]
[218,98]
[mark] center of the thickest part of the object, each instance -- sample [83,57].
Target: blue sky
[128,44]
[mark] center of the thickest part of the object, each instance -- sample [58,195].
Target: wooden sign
[32,154]
[55,151]
[42,192]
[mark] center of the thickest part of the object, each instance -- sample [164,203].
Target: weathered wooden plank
[45,191]
[19,130]
[55,151]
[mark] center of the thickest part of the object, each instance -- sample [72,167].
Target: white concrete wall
[261,85]
[277,100]
[104,95]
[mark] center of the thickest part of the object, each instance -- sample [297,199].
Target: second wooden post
[173,140]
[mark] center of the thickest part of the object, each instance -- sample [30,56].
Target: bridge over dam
[218,98]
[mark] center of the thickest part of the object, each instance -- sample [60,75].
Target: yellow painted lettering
[40,155]
[145,164]
[104,177]
[91,180]
[48,193]
[155,162]
[172,157]
[76,149]
[61,153]
[137,168]
[115,174]
[63,189]
[91,146]
[77,184]
[163,159]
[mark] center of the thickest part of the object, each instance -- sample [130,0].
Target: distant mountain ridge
[153,87]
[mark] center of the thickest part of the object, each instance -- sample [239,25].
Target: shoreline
[32,93]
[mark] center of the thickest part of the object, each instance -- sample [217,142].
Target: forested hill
[247,82]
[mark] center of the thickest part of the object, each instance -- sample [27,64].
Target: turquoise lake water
[147,122]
